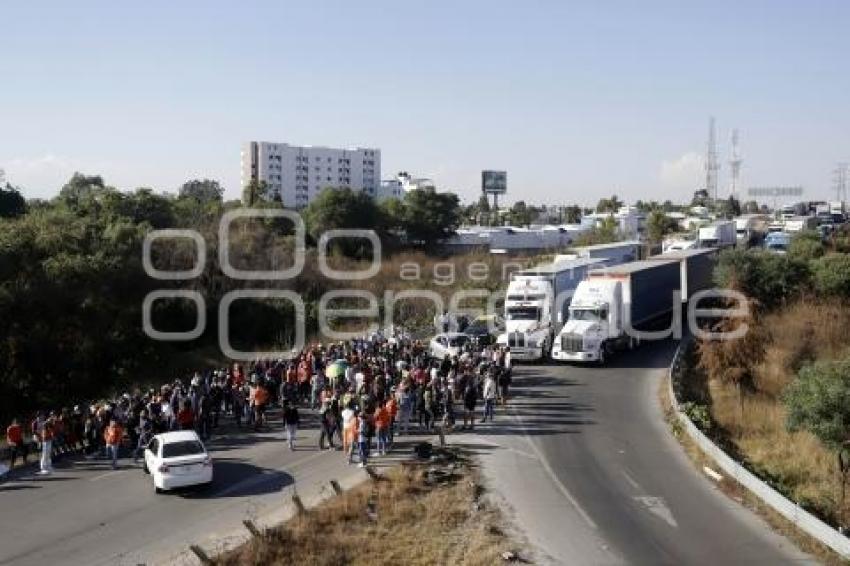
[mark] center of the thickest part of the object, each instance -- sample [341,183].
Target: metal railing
[792,511]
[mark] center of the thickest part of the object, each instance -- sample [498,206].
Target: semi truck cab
[528,318]
[595,318]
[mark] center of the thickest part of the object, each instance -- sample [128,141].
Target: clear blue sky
[574,100]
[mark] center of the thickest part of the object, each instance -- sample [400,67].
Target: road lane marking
[508,448]
[711,473]
[631,480]
[106,475]
[551,473]
[658,507]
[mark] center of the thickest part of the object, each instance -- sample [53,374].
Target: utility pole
[839,179]
[712,165]
[735,165]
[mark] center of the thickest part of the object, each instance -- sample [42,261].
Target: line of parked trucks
[586,306]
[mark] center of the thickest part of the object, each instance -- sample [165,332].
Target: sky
[575,100]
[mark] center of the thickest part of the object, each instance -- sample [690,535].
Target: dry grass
[796,463]
[416,523]
[735,491]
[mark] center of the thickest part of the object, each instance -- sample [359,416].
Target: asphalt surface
[593,475]
[582,457]
[86,513]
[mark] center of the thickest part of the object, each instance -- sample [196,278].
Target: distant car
[451,343]
[484,329]
[177,459]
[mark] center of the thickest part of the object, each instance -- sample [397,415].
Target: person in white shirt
[347,416]
[489,395]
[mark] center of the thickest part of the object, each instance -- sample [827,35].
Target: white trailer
[613,301]
[536,301]
[618,252]
[718,234]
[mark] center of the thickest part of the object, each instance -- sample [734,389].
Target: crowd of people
[365,391]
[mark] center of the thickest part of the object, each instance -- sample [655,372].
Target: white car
[450,343]
[177,459]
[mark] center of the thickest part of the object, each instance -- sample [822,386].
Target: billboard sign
[775,191]
[494,182]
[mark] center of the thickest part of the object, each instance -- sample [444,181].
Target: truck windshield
[531,297]
[523,313]
[594,315]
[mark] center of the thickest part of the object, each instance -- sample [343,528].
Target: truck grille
[571,343]
[516,339]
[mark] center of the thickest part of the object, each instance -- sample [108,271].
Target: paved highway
[85,513]
[584,458]
[594,476]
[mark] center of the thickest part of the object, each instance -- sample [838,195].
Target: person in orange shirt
[382,425]
[113,435]
[349,433]
[392,407]
[15,440]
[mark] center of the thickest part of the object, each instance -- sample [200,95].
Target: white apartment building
[401,184]
[299,173]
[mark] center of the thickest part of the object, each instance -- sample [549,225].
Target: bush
[767,278]
[819,401]
[699,414]
[805,246]
[831,275]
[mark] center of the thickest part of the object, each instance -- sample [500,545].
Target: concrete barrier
[804,520]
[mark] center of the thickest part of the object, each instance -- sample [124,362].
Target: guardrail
[801,518]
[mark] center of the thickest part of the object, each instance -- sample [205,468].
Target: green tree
[521,214]
[12,203]
[831,275]
[81,192]
[572,214]
[806,245]
[343,209]
[202,190]
[430,217]
[730,208]
[254,192]
[767,278]
[612,204]
[658,225]
[818,401]
[603,233]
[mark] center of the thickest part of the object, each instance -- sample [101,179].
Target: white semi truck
[696,269]
[610,302]
[617,252]
[718,234]
[536,301]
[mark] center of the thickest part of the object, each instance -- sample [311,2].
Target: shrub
[699,414]
[831,275]
[769,279]
[805,246]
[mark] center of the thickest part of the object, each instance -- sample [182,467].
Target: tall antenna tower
[712,165]
[839,178]
[735,165]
